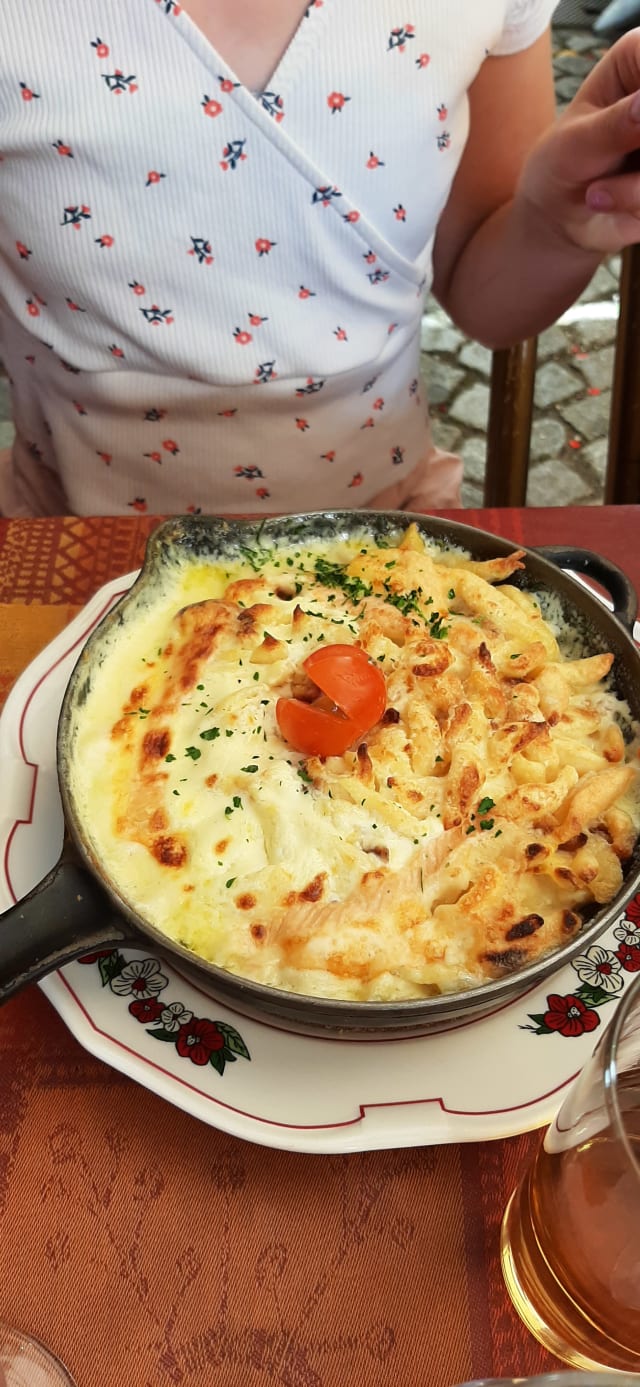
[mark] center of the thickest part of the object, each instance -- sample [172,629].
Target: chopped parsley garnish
[249,770]
[230,882]
[485,805]
[194,752]
[170,757]
[334,575]
[487,823]
[210,734]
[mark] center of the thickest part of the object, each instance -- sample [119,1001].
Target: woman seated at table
[219,224]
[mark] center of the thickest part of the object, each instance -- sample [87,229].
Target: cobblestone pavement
[575,366]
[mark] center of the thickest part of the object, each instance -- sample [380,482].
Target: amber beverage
[571,1231]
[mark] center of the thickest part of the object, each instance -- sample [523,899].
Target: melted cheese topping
[458,841]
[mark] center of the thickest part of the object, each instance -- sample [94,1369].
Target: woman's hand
[580,180]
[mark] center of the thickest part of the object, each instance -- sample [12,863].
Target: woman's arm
[525,225]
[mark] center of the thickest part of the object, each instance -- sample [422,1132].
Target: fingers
[593,144]
[616,75]
[621,194]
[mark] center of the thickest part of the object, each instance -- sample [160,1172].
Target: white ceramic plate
[488,1078]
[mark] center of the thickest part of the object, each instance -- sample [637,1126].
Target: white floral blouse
[211,298]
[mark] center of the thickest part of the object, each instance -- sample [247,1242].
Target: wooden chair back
[511,408]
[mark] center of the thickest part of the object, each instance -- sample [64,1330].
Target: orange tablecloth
[149,1250]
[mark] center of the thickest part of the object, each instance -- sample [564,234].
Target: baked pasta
[484,804]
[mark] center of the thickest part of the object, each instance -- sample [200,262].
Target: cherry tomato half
[356,686]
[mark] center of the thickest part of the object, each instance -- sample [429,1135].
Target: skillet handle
[65,915]
[607,574]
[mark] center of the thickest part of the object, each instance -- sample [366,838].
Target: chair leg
[509,427]
[622,482]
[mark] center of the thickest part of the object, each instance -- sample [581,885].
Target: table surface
[150,1250]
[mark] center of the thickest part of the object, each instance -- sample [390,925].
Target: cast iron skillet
[77,908]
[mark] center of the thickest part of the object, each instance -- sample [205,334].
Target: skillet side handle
[607,574]
[64,916]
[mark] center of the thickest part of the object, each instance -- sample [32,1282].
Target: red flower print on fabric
[170,7]
[370,257]
[75,307]
[105,242]
[152,416]
[201,249]
[170,446]
[250,474]
[302,425]
[75,216]
[263,246]
[154,457]
[28,93]
[23,251]
[569,1015]
[226,85]
[351,217]
[138,289]
[156,315]
[273,104]
[443,111]
[340,333]
[400,213]
[397,455]
[80,409]
[304,293]
[102,49]
[373,162]
[443,141]
[369,423]
[106,457]
[117,83]
[262,493]
[138,504]
[336,101]
[325,195]
[32,308]
[400,37]
[311,388]
[116,351]
[423,60]
[378,276]
[357,479]
[242,338]
[256,320]
[330,456]
[233,154]
[63,149]
[211,107]
[153,176]
[265,373]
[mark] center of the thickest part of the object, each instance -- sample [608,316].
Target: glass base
[589,1348]
[25,1362]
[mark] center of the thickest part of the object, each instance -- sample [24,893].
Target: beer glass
[556,1380]
[570,1242]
